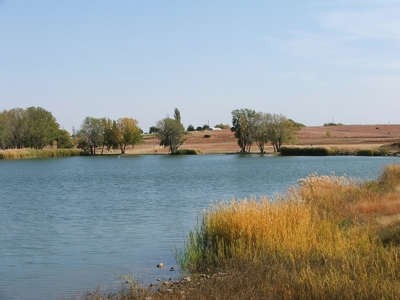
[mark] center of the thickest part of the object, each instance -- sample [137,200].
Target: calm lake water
[71,224]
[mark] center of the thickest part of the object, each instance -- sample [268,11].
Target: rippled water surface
[71,224]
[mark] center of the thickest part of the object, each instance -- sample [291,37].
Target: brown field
[344,137]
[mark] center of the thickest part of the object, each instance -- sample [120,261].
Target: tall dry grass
[32,153]
[311,243]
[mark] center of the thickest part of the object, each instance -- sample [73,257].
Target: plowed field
[345,136]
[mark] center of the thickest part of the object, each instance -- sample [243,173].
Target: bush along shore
[329,237]
[33,153]
[327,151]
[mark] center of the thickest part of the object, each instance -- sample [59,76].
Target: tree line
[36,128]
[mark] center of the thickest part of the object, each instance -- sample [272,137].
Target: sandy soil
[344,137]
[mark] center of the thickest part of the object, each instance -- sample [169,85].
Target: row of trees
[33,127]
[249,127]
[109,134]
[252,127]
[36,128]
[206,127]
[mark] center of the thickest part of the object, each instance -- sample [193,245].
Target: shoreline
[347,138]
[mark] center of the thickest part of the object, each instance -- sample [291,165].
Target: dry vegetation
[33,153]
[324,239]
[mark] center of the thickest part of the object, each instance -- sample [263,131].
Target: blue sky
[312,61]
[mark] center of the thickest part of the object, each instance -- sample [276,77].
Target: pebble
[172,269]
[160,265]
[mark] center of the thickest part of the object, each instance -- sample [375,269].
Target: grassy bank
[327,151]
[329,237]
[32,153]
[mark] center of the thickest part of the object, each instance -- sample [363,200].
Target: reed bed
[33,153]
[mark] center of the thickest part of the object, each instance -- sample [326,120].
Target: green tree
[206,126]
[244,126]
[110,134]
[190,128]
[16,128]
[171,133]
[177,115]
[262,121]
[153,129]
[281,130]
[91,134]
[129,133]
[42,127]
[63,139]
[3,130]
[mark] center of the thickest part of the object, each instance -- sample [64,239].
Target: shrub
[222,126]
[390,235]
[308,151]
[390,176]
[383,151]
[365,152]
[187,152]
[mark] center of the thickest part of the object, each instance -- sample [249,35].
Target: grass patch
[32,153]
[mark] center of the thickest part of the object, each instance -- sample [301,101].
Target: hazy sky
[313,61]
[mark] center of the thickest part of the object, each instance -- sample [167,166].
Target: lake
[70,224]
